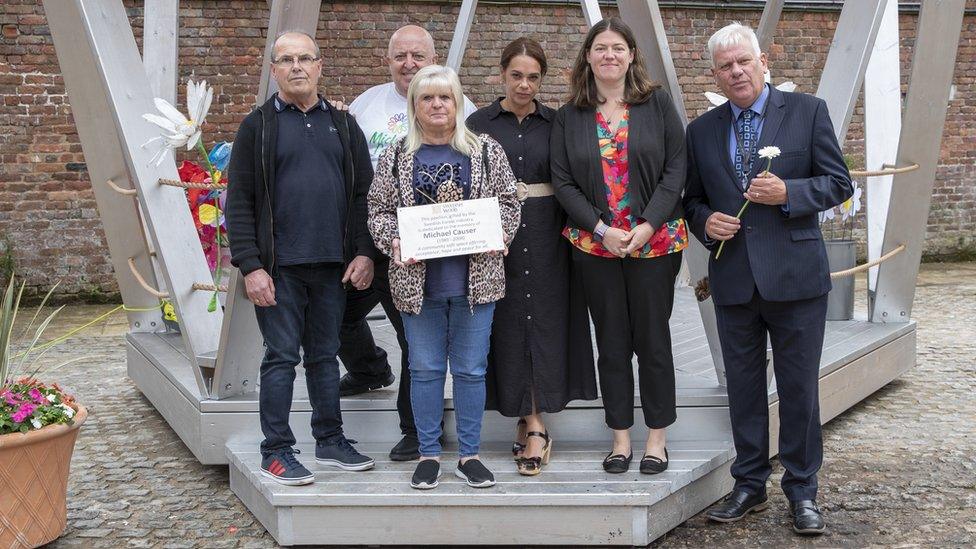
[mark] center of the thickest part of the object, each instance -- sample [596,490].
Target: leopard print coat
[486,272]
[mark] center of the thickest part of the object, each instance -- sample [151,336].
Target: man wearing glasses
[296,218]
[382,113]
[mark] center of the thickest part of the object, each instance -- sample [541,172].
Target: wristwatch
[601,229]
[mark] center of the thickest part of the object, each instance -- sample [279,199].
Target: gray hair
[315,44]
[734,34]
[438,77]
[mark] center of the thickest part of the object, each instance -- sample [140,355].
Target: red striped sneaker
[284,468]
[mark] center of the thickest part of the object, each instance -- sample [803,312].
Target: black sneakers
[283,468]
[342,455]
[426,474]
[475,474]
[408,449]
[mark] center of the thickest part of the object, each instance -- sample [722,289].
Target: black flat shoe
[353,384]
[617,463]
[807,519]
[652,465]
[737,505]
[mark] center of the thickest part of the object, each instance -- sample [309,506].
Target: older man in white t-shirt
[381,112]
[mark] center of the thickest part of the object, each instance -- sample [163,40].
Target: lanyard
[738,143]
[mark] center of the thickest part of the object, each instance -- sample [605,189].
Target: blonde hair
[430,77]
[734,34]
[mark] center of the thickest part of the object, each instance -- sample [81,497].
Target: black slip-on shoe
[357,384]
[737,505]
[426,474]
[475,474]
[807,518]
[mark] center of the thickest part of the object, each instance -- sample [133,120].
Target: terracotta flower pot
[34,482]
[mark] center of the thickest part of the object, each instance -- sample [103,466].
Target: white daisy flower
[852,205]
[769,152]
[177,129]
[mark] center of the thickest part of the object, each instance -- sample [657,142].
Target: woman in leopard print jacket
[448,303]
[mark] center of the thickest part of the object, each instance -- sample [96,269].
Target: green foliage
[9,309]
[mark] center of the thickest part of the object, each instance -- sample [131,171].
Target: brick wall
[48,213]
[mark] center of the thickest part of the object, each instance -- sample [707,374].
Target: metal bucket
[841,255]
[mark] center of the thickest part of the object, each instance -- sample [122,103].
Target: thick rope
[888,170]
[869,264]
[120,190]
[142,281]
[189,185]
[203,286]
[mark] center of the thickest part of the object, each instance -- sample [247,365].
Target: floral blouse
[670,238]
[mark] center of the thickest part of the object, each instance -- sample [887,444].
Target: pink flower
[12,399]
[23,413]
[37,396]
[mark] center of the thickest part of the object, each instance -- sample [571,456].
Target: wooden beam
[843,74]
[462,28]
[882,128]
[97,52]
[286,15]
[159,44]
[939,25]
[767,23]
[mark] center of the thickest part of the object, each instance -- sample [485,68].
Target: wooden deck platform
[585,505]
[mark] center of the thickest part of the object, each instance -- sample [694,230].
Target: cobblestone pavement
[899,466]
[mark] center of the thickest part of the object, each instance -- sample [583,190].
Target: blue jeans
[310,303]
[446,330]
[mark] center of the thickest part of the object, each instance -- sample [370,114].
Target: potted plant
[841,253]
[38,427]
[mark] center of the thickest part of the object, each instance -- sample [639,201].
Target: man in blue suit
[772,276]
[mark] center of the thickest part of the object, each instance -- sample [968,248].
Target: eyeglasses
[303,60]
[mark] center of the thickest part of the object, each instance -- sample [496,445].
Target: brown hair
[524,46]
[638,86]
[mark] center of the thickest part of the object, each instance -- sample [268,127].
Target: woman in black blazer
[618,169]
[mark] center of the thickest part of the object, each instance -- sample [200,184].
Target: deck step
[572,502]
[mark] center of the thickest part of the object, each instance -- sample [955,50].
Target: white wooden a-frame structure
[203,380]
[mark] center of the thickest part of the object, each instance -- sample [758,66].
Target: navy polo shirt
[310,190]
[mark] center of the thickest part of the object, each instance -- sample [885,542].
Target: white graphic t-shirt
[382,114]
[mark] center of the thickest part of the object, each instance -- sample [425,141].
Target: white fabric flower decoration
[852,205]
[177,129]
[717,99]
[827,215]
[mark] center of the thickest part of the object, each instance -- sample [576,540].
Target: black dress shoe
[356,384]
[617,463]
[408,449]
[737,505]
[807,519]
[652,465]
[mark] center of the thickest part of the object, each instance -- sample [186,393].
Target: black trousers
[796,332]
[630,301]
[359,352]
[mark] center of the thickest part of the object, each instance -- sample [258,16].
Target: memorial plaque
[449,229]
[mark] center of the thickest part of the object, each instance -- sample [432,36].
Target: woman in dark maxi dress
[541,356]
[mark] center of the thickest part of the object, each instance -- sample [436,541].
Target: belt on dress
[533,190]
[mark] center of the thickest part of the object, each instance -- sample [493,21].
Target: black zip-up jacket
[250,191]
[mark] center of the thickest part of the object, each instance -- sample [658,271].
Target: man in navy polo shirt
[296,212]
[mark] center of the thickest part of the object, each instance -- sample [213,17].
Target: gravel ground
[898,470]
